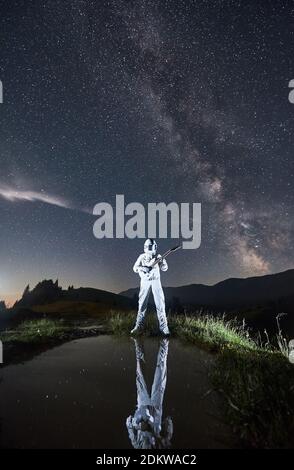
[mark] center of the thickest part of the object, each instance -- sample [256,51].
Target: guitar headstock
[175,248]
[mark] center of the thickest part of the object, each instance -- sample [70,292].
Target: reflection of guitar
[148,267]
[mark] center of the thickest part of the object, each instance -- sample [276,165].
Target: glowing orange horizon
[10,299]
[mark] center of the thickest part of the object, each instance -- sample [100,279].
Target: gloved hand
[144,269]
[163,264]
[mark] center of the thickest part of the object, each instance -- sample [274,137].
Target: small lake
[108,392]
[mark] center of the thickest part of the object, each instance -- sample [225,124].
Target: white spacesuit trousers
[158,295]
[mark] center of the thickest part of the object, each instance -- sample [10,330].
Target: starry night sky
[182,101]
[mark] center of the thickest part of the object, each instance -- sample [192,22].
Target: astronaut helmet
[150,247]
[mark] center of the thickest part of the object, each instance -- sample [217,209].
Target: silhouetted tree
[26,291]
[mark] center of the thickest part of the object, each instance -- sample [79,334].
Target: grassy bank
[35,331]
[32,337]
[256,382]
[259,396]
[211,332]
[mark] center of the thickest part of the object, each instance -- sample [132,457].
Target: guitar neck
[163,256]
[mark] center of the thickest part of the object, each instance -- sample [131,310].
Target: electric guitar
[159,260]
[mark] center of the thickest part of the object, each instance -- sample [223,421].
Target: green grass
[212,332]
[257,383]
[122,323]
[35,331]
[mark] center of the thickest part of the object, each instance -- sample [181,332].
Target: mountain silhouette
[47,292]
[231,293]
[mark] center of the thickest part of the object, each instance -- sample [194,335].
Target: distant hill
[47,292]
[231,293]
[47,297]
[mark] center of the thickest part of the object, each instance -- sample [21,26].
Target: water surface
[80,395]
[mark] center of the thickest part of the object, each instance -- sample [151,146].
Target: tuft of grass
[212,332]
[35,331]
[281,340]
[122,323]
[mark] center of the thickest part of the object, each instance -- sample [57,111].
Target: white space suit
[150,281]
[145,428]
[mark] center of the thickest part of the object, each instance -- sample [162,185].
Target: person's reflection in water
[146,429]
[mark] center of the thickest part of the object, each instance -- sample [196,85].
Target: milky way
[182,101]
